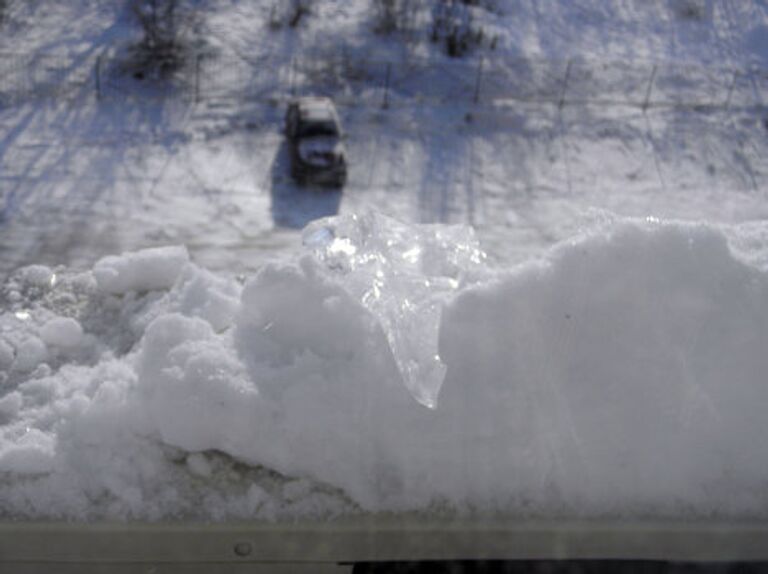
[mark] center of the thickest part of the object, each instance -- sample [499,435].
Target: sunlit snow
[621,373]
[514,306]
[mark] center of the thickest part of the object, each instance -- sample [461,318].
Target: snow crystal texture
[391,367]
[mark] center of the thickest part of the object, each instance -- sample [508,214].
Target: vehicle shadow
[293,205]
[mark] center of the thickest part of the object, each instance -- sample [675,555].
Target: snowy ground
[83,183]
[82,178]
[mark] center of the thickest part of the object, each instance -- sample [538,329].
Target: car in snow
[315,139]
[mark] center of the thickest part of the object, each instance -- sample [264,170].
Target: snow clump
[63,332]
[155,268]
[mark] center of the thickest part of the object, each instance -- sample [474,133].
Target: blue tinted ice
[402,275]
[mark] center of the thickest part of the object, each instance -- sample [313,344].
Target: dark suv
[315,137]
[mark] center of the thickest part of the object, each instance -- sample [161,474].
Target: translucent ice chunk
[403,275]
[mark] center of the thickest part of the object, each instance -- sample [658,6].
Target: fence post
[97,76]
[565,83]
[648,92]
[385,103]
[479,79]
[198,61]
[730,90]
[292,76]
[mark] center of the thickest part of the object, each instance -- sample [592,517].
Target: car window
[317,129]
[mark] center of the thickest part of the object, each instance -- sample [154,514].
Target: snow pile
[627,372]
[622,374]
[141,271]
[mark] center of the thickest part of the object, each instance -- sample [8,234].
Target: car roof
[316,109]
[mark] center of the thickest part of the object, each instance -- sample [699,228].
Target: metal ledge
[370,539]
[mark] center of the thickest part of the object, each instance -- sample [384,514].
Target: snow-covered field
[546,366]
[83,178]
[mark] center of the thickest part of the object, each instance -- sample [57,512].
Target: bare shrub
[453,25]
[489,5]
[164,45]
[275,21]
[288,13]
[394,15]
[299,9]
[694,10]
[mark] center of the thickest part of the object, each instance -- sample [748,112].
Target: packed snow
[621,374]
[155,268]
